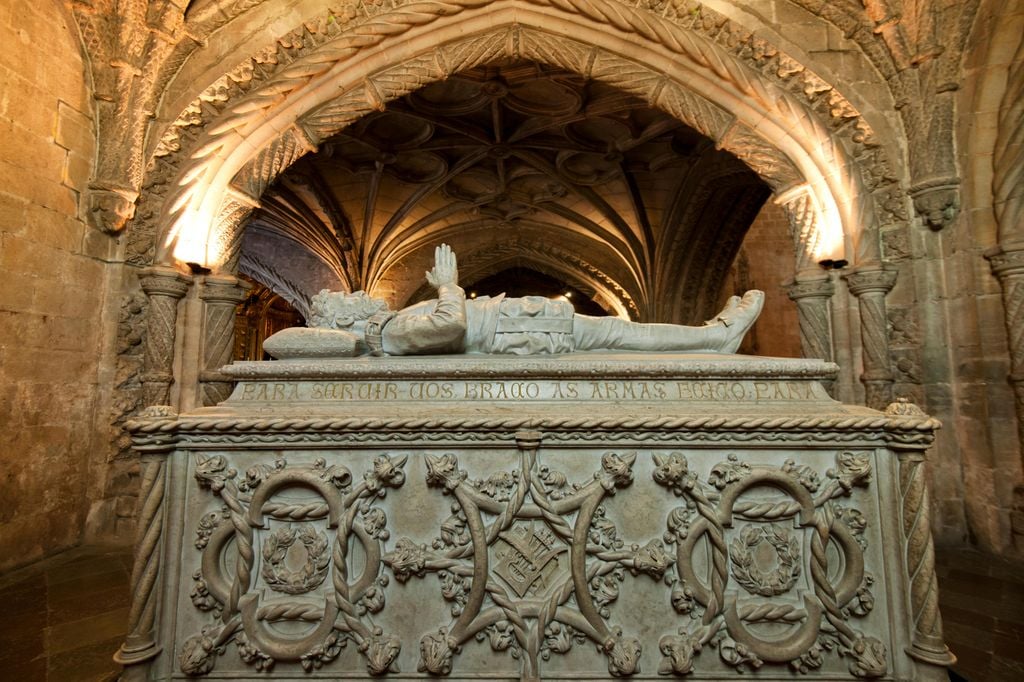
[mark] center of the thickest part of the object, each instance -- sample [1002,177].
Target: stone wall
[52,288]
[982,421]
[70,362]
[765,262]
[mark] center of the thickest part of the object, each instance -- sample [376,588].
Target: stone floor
[982,602]
[63,618]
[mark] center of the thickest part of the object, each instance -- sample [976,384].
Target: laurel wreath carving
[744,566]
[275,551]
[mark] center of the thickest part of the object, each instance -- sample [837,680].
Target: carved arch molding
[232,141]
[820,157]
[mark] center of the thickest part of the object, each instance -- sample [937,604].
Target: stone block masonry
[51,294]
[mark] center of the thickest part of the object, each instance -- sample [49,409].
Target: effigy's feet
[739,318]
[723,316]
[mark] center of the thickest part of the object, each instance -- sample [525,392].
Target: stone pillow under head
[304,342]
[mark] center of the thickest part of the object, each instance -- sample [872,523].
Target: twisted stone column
[870,284]
[812,297]
[140,645]
[927,644]
[1008,265]
[221,294]
[164,286]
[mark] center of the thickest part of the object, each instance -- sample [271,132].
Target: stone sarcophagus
[579,516]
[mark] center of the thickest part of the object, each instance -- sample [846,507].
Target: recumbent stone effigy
[607,505]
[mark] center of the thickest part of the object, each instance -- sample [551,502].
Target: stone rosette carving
[804,621]
[261,522]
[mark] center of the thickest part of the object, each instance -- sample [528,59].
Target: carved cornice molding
[578,365]
[831,429]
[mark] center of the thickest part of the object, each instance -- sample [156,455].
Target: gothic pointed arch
[256,134]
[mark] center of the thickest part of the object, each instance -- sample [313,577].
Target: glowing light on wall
[190,237]
[831,243]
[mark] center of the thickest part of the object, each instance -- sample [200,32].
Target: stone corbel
[870,283]
[1008,266]
[812,297]
[165,286]
[110,209]
[937,200]
[221,294]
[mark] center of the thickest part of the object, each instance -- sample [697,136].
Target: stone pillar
[140,645]
[164,286]
[221,294]
[870,283]
[927,644]
[812,298]
[1008,265]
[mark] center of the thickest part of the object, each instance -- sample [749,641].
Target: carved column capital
[164,286]
[819,287]
[812,297]
[221,294]
[163,280]
[224,289]
[870,279]
[1006,260]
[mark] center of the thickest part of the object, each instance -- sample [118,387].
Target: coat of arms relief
[758,564]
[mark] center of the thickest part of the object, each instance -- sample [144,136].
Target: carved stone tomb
[577,516]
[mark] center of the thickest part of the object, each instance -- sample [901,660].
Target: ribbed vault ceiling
[517,166]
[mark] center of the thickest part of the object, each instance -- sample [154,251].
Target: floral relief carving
[529,561]
[814,613]
[300,542]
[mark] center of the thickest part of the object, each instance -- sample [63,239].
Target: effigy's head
[340,310]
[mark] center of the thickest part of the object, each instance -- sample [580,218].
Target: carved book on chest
[565,517]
